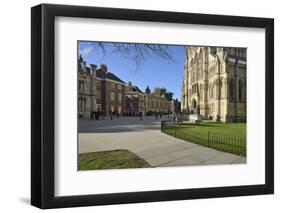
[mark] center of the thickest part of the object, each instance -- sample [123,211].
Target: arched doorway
[194,104]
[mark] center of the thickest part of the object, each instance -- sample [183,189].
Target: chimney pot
[104,67]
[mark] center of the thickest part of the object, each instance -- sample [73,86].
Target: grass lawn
[114,159]
[227,137]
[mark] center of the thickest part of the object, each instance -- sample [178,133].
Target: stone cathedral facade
[214,83]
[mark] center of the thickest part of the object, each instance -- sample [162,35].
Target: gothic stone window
[231,90]
[197,67]
[192,70]
[209,90]
[245,88]
[212,91]
[201,92]
[218,87]
[201,64]
[240,92]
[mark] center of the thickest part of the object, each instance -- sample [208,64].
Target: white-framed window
[81,85]
[112,85]
[119,97]
[112,96]
[119,109]
[112,108]
[119,86]
[98,94]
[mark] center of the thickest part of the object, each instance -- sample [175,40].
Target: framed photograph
[139,106]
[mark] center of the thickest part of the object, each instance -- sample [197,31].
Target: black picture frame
[43,105]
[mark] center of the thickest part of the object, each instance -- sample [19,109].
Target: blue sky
[154,72]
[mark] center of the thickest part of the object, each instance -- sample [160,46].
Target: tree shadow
[119,129]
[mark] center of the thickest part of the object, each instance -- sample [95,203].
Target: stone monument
[195,117]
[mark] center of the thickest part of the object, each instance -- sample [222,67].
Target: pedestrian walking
[102,114]
[92,116]
[111,115]
[140,114]
[98,114]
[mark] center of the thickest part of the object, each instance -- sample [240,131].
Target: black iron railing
[230,144]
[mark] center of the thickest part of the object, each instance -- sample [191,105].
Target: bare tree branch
[137,53]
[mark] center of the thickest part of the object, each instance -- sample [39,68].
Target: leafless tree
[135,52]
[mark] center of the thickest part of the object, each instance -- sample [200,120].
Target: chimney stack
[93,66]
[94,70]
[103,67]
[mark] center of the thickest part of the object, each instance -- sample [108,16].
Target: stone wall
[215,80]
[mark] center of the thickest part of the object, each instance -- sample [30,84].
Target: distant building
[134,100]
[110,92]
[214,83]
[102,92]
[154,103]
[86,88]
[175,106]
[99,90]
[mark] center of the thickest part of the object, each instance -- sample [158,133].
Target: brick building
[99,90]
[110,92]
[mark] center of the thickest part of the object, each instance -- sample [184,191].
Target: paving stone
[224,158]
[148,142]
[240,160]
[182,153]
[162,150]
[180,162]
[158,160]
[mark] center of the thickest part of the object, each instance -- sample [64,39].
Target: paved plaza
[144,138]
[121,124]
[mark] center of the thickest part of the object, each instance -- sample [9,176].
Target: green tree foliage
[161,91]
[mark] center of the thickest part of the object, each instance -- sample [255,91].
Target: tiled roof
[136,89]
[108,75]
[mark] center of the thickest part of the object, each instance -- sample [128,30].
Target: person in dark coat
[111,115]
[140,114]
[92,116]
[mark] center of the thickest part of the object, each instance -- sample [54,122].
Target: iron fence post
[208,139]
